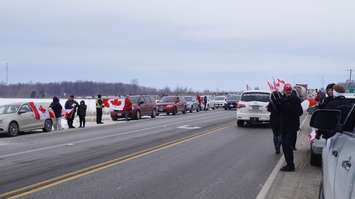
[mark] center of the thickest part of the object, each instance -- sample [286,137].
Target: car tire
[154,114]
[48,125]
[13,129]
[240,123]
[315,159]
[138,115]
[167,113]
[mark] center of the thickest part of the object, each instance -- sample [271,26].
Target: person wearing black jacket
[290,112]
[57,109]
[71,104]
[329,98]
[99,106]
[275,120]
[82,113]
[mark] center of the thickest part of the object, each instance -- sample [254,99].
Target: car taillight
[239,105]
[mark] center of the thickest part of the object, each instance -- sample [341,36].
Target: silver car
[18,117]
[191,104]
[338,157]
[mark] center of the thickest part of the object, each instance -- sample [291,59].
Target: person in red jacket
[127,109]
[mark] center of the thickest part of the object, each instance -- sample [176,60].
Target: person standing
[205,101]
[330,96]
[127,109]
[99,106]
[275,120]
[57,109]
[82,113]
[72,105]
[290,112]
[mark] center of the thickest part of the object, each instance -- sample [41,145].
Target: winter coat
[57,108]
[82,110]
[290,112]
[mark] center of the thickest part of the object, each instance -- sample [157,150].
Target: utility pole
[7,72]
[350,70]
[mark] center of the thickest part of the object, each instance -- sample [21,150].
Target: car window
[188,99]
[8,109]
[135,99]
[25,108]
[260,97]
[147,99]
[232,97]
[168,99]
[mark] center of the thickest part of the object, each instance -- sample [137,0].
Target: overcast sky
[202,44]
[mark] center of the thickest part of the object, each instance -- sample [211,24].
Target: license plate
[254,119]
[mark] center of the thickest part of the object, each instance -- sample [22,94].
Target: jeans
[58,124]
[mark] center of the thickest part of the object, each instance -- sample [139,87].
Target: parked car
[338,155]
[191,104]
[316,145]
[142,105]
[172,104]
[231,102]
[220,101]
[18,117]
[252,107]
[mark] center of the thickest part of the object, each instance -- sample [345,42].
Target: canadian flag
[40,112]
[68,113]
[308,103]
[117,104]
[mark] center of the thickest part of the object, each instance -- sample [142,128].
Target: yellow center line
[21,192]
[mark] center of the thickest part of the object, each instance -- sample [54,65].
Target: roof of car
[257,91]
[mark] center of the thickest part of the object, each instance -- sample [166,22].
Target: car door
[330,158]
[148,105]
[26,118]
[344,173]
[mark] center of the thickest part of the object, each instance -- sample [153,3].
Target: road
[199,155]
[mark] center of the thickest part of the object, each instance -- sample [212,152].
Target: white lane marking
[188,127]
[4,143]
[270,180]
[91,139]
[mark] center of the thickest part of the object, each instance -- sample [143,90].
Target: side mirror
[326,119]
[21,112]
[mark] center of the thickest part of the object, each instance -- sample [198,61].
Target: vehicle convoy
[19,117]
[231,102]
[338,156]
[172,105]
[252,107]
[191,104]
[220,101]
[142,105]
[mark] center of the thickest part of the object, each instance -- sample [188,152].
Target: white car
[18,117]
[252,107]
[220,101]
[210,102]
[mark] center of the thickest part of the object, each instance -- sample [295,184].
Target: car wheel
[48,125]
[321,191]
[13,129]
[138,115]
[240,123]
[315,159]
[167,113]
[154,114]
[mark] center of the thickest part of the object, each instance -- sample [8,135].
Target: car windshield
[134,99]
[168,99]
[189,99]
[260,97]
[8,109]
[219,98]
[232,98]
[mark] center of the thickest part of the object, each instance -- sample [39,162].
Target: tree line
[86,89]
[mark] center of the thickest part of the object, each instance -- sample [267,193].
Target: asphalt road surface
[199,155]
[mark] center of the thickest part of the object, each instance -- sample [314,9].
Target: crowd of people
[285,108]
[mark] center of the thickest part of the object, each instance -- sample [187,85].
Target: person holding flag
[70,108]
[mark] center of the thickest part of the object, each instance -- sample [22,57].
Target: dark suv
[172,104]
[231,102]
[142,105]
